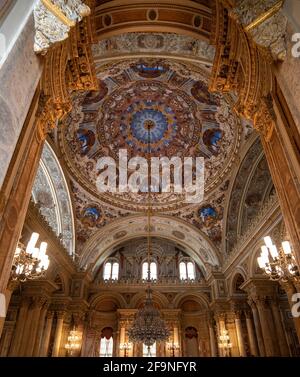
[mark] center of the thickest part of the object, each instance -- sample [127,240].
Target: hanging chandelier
[74,341]
[225,343]
[30,262]
[278,264]
[148,326]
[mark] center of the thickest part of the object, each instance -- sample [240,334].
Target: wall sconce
[173,347]
[125,347]
[225,343]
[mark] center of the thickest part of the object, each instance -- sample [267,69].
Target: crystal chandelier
[74,341]
[30,262]
[225,343]
[278,264]
[148,327]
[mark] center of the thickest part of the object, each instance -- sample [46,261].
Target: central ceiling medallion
[169,100]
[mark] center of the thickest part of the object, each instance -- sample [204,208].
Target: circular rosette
[147,123]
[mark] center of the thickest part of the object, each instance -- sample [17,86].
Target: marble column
[281,336]
[20,327]
[239,332]
[262,307]
[251,334]
[40,329]
[220,319]
[35,312]
[8,293]
[46,335]
[282,154]
[291,288]
[258,330]
[5,341]
[212,339]
[17,191]
[58,333]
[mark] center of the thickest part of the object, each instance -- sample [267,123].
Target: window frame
[145,270]
[186,263]
[113,275]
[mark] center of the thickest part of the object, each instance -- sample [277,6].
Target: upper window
[187,270]
[153,271]
[111,270]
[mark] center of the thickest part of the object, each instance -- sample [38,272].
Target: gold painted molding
[265,16]
[58,13]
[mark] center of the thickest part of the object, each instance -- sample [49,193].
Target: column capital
[248,314]
[13,285]
[251,303]
[261,301]
[38,302]
[238,313]
[220,316]
[61,314]
[50,314]
[25,301]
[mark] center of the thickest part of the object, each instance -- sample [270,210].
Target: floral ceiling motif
[172,101]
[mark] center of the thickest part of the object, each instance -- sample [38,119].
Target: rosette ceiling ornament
[54,20]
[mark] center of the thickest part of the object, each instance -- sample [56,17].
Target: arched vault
[101,244]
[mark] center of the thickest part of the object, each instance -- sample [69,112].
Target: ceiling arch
[159,300]
[250,188]
[200,298]
[100,245]
[115,297]
[50,191]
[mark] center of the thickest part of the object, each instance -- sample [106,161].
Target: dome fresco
[137,99]
[148,120]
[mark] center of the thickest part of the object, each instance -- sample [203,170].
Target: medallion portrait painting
[150,180]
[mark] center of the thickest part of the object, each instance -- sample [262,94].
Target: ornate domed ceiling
[172,101]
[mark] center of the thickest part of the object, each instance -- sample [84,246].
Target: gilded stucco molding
[264,22]
[243,67]
[68,66]
[54,20]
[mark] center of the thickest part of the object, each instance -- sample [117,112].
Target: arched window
[187,270]
[106,343]
[111,270]
[153,271]
[115,271]
[149,352]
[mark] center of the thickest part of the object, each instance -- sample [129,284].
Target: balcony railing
[156,282]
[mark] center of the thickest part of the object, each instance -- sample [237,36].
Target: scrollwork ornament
[264,22]
[264,118]
[53,21]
